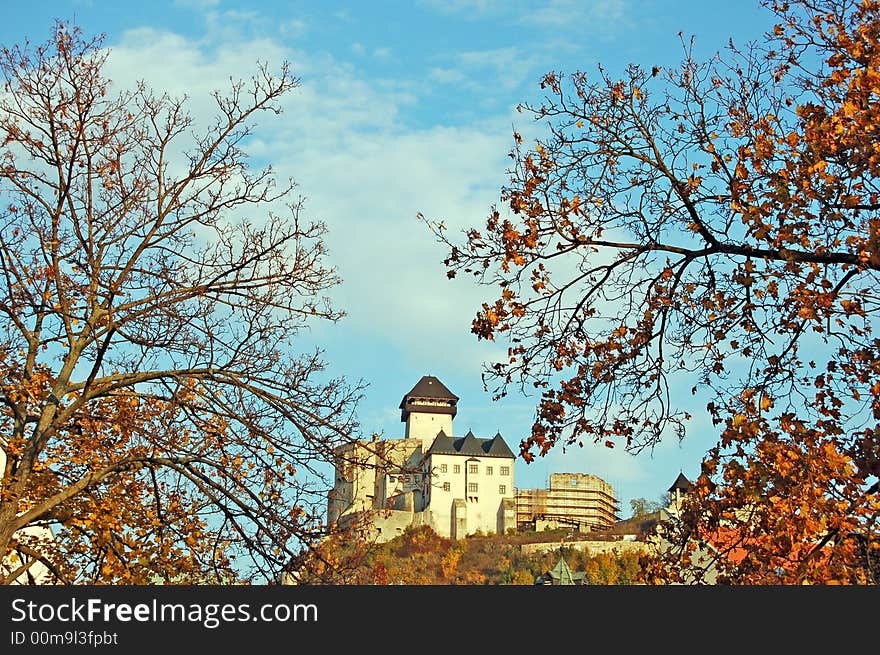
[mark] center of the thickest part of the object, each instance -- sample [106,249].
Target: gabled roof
[681,483]
[470,445]
[429,387]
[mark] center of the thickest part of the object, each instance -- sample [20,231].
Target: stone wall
[594,547]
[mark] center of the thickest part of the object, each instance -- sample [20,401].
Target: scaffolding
[581,501]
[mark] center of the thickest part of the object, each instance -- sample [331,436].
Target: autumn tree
[156,416]
[642,507]
[711,227]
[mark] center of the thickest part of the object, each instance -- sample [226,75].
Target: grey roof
[429,387]
[470,445]
[681,483]
[561,574]
[443,444]
[498,447]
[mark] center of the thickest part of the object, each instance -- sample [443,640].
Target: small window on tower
[447,486]
[488,470]
[443,468]
[456,468]
[473,468]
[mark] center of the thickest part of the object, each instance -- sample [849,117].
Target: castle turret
[678,490]
[427,410]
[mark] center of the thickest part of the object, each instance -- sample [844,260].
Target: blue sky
[408,107]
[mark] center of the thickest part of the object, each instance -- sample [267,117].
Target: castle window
[502,489]
[505,470]
[456,468]
[473,468]
[443,468]
[488,470]
[392,479]
[472,487]
[447,486]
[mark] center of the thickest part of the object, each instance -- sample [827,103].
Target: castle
[456,485]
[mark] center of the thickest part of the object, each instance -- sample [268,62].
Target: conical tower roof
[681,483]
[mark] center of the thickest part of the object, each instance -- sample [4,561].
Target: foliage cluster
[712,226]
[420,556]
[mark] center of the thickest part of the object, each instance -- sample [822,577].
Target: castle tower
[678,490]
[427,409]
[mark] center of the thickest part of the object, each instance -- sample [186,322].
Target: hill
[420,556]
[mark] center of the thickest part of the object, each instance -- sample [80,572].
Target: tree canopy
[155,413]
[711,227]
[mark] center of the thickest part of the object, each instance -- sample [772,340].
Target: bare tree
[155,413]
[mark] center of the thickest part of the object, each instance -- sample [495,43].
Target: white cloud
[169,62]
[370,190]
[293,28]
[362,172]
[447,75]
[229,24]
[508,68]
[367,175]
[379,53]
